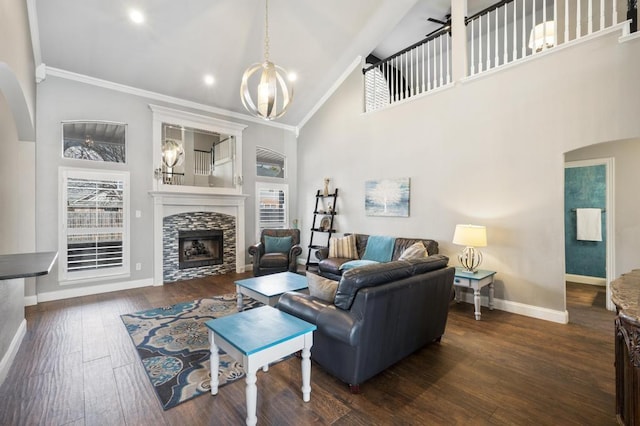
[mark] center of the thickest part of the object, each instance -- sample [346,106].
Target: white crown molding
[57,72]
[347,72]
[35,32]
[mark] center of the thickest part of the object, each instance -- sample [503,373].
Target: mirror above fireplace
[193,150]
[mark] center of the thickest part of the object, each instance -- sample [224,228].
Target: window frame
[284,187]
[72,277]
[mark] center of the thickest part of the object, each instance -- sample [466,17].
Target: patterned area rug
[173,344]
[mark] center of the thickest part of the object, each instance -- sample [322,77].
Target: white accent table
[267,289]
[476,281]
[256,338]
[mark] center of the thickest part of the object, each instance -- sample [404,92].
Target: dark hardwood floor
[77,366]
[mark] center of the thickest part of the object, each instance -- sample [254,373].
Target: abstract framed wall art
[387,197]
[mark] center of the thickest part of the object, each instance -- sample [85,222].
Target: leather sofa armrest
[332,322]
[256,251]
[295,251]
[340,325]
[322,253]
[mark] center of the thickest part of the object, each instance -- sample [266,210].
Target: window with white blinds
[376,90]
[94,240]
[272,205]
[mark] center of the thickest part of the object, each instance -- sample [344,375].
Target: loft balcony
[507,33]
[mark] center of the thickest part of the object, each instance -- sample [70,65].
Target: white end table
[476,281]
[256,338]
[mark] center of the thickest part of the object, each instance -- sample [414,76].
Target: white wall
[488,151]
[62,99]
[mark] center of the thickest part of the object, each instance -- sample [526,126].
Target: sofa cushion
[369,276]
[379,248]
[343,247]
[414,251]
[403,243]
[322,288]
[356,264]
[277,244]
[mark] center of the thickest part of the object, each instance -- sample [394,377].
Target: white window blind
[376,90]
[94,240]
[272,206]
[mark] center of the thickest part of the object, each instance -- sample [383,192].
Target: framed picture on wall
[94,141]
[387,197]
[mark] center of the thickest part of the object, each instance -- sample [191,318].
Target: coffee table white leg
[491,296]
[306,367]
[214,361]
[476,302]
[252,397]
[239,298]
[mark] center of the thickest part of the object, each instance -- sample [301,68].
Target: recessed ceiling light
[136,16]
[209,80]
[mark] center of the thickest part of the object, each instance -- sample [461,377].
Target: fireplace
[200,248]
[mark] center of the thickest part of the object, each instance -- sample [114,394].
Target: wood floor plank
[77,365]
[101,398]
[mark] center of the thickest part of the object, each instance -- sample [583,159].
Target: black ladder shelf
[325,227]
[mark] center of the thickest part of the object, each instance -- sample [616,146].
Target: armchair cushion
[277,244]
[274,260]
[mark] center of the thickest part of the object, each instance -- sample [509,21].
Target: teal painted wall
[584,187]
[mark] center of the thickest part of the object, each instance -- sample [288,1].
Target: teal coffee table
[267,289]
[256,338]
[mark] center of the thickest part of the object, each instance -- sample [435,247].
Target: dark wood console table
[625,294]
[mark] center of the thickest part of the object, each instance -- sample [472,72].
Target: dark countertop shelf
[24,265]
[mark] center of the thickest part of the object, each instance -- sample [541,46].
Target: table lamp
[470,236]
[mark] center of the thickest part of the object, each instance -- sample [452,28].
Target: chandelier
[273,91]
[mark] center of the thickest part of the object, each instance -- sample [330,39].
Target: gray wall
[17,165]
[488,151]
[61,99]
[626,155]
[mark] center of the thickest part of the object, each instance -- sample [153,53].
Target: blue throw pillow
[356,263]
[379,248]
[277,244]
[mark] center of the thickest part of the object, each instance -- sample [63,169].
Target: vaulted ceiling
[181,41]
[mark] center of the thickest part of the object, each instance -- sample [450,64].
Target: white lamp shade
[470,235]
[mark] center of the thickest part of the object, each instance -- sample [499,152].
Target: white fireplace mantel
[179,200]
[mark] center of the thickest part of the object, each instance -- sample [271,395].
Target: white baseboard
[583,279]
[30,300]
[94,289]
[532,311]
[12,351]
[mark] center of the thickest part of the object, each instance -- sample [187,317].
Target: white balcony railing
[506,32]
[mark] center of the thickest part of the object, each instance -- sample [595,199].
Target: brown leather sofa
[381,314]
[329,267]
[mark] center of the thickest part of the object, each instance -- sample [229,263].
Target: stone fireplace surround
[180,201]
[196,221]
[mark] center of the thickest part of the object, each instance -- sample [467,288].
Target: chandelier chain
[266,30]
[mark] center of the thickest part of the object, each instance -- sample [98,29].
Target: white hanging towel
[589,224]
